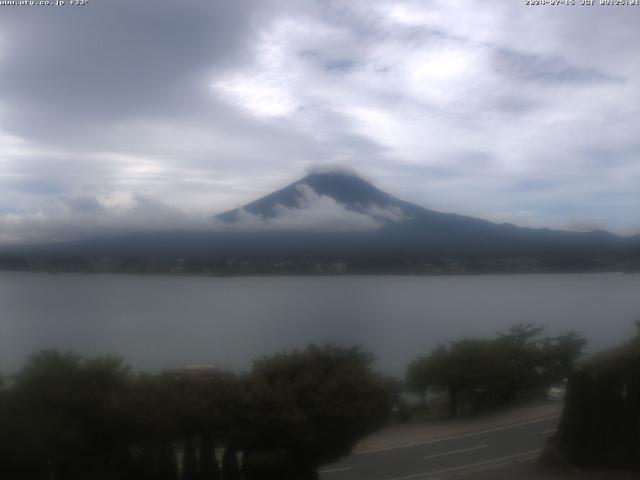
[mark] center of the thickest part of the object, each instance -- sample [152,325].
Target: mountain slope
[345,189]
[340,215]
[402,227]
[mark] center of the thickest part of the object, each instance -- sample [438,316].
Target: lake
[168,321]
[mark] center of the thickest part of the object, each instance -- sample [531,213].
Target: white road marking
[467,466]
[456,437]
[455,451]
[334,470]
[485,468]
[547,432]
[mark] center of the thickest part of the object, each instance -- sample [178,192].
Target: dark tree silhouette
[309,408]
[230,465]
[153,409]
[167,468]
[208,468]
[600,424]
[189,461]
[478,374]
[69,418]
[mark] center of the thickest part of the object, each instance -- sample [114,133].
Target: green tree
[209,405]
[425,373]
[561,354]
[69,417]
[522,346]
[308,408]
[483,373]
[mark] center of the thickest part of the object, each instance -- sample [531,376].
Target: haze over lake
[169,321]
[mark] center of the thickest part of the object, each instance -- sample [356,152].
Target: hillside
[338,217]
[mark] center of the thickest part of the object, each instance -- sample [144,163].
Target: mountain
[337,216]
[348,190]
[402,227]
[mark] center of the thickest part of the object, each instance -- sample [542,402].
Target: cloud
[209,105]
[547,68]
[74,218]
[119,59]
[84,205]
[587,225]
[315,212]
[323,168]
[389,213]
[87,217]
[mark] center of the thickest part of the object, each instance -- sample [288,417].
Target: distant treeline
[321,265]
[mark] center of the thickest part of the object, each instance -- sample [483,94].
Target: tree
[484,373]
[309,408]
[152,407]
[208,468]
[189,461]
[166,465]
[560,355]
[522,346]
[209,404]
[475,375]
[472,372]
[424,373]
[70,420]
[535,360]
[600,421]
[230,466]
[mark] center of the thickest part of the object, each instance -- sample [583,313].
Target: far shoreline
[316,275]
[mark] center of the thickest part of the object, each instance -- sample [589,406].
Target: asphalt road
[492,453]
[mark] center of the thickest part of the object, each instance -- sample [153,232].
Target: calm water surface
[167,321]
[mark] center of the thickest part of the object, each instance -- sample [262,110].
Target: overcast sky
[131,113]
